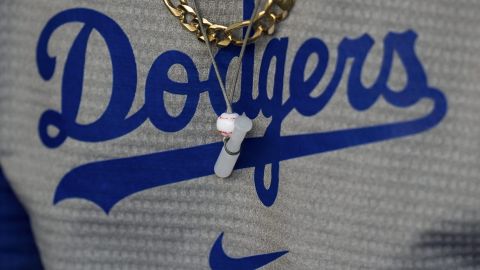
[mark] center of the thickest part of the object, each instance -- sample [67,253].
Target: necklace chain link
[264,22]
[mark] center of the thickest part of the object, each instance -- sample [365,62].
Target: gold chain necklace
[264,23]
[232,126]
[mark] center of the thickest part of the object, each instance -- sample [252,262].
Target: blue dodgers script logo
[107,182]
[120,178]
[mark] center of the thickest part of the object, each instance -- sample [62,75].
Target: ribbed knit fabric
[407,203]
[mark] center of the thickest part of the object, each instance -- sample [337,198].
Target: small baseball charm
[226,123]
[231,148]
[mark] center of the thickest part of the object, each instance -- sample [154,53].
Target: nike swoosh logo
[219,260]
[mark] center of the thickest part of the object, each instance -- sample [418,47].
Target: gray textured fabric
[410,203]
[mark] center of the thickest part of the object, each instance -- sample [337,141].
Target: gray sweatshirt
[364,153]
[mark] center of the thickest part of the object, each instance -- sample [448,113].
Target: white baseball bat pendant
[231,149]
